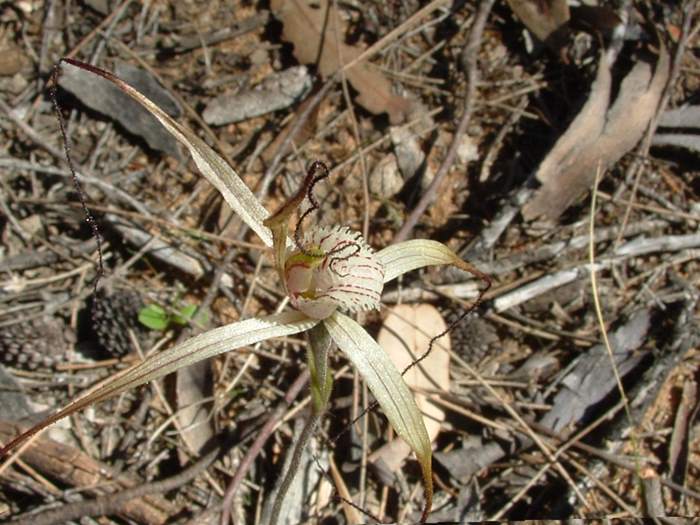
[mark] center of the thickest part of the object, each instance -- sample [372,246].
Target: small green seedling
[158,318]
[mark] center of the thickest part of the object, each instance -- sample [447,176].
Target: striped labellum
[333,268]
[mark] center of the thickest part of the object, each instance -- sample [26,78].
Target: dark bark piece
[106,98]
[592,378]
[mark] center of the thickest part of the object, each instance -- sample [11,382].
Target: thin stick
[599,311]
[596,294]
[470,52]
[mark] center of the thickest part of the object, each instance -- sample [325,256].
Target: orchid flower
[327,274]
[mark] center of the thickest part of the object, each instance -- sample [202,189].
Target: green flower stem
[321,385]
[321,377]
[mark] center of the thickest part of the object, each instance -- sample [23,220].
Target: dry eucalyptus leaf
[599,135]
[405,336]
[546,19]
[318,36]
[194,384]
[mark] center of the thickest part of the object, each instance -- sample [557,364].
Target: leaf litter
[317,36]
[480,449]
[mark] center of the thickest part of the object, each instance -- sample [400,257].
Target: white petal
[215,169]
[403,257]
[387,385]
[208,344]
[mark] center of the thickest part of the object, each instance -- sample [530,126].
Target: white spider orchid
[326,271]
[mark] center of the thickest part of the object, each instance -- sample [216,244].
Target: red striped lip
[348,276]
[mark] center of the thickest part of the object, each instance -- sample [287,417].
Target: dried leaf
[315,34]
[405,336]
[599,136]
[546,19]
[194,384]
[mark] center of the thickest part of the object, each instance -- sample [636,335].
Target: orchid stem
[293,467]
[321,385]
